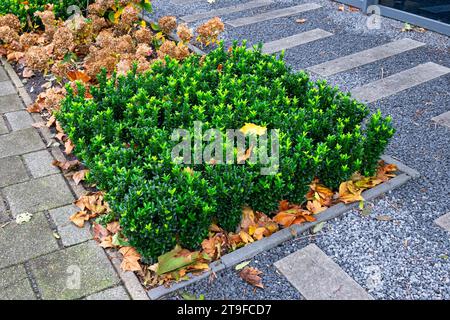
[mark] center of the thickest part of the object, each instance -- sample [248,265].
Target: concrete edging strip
[251,250]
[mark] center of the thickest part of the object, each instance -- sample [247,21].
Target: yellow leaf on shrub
[251,128]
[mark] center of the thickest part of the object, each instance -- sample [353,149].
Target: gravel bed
[409,253]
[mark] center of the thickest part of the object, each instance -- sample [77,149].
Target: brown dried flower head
[167,24]
[184,32]
[143,35]
[10,20]
[210,31]
[8,35]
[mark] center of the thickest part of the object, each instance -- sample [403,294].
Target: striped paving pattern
[365,57]
[398,82]
[295,40]
[218,12]
[443,119]
[280,13]
[317,277]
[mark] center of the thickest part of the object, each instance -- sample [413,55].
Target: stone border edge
[129,279]
[251,250]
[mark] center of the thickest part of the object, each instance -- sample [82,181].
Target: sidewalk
[47,257]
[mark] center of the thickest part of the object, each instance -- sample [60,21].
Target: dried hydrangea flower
[29,39]
[143,35]
[184,32]
[10,20]
[171,49]
[63,42]
[8,35]
[37,58]
[129,16]
[48,20]
[210,31]
[167,24]
[143,50]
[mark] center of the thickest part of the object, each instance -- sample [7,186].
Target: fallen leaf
[246,237]
[78,75]
[79,218]
[130,260]
[242,265]
[341,8]
[349,193]
[383,218]
[68,146]
[252,276]
[301,21]
[107,242]
[318,227]
[66,165]
[79,176]
[100,232]
[27,73]
[113,227]
[176,259]
[250,128]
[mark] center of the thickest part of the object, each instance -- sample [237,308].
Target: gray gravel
[410,252]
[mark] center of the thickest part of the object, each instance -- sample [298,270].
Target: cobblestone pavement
[47,257]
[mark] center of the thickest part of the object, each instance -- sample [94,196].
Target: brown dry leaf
[93,202]
[78,75]
[252,276]
[113,227]
[320,193]
[69,146]
[79,218]
[315,207]
[349,193]
[60,136]
[66,165]
[341,8]
[27,73]
[38,125]
[79,176]
[51,121]
[248,219]
[286,218]
[301,21]
[130,260]
[246,238]
[100,232]
[107,242]
[353,9]
[283,205]
[245,156]
[384,218]
[386,171]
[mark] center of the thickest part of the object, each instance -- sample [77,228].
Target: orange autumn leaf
[246,238]
[285,218]
[100,232]
[349,193]
[79,218]
[79,176]
[66,165]
[78,75]
[130,260]
[315,206]
[107,242]
[68,147]
[113,227]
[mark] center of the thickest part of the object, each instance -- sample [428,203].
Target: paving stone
[3,127]
[317,277]
[74,272]
[14,284]
[398,82]
[38,195]
[232,9]
[12,170]
[295,40]
[443,119]
[444,221]
[117,293]
[6,87]
[183,1]
[60,216]
[70,234]
[19,120]
[20,142]
[4,217]
[40,163]
[10,103]
[3,75]
[273,14]
[365,57]
[21,242]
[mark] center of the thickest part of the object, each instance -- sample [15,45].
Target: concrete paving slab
[444,221]
[60,216]
[365,57]
[70,234]
[317,277]
[21,242]
[273,14]
[40,163]
[19,120]
[443,119]
[20,142]
[74,272]
[6,88]
[38,195]
[14,284]
[10,103]
[295,40]
[398,82]
[3,127]
[3,75]
[227,10]
[117,293]
[12,170]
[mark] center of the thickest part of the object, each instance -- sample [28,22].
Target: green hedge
[124,133]
[24,9]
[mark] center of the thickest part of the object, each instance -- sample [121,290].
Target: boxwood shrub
[123,134]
